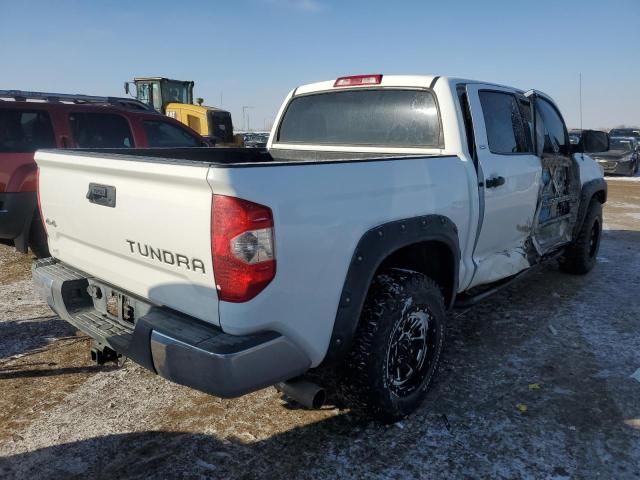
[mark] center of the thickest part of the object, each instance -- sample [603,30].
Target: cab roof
[418,81]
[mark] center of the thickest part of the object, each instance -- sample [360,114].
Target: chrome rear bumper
[179,348]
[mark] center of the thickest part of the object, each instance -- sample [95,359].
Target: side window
[550,130]
[157,104]
[25,131]
[100,130]
[164,134]
[505,129]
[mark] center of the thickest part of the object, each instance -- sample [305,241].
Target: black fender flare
[589,189]
[376,245]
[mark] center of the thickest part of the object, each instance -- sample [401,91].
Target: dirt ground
[536,382]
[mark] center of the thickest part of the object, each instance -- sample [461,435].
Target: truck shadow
[22,336]
[165,454]
[8,373]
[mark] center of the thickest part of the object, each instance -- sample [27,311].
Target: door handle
[494,182]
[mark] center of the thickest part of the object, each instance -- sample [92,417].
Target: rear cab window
[366,117]
[100,130]
[165,134]
[25,131]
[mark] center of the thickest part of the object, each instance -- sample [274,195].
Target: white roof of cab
[420,81]
[423,81]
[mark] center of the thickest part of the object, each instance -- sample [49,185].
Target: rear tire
[580,256]
[38,237]
[397,346]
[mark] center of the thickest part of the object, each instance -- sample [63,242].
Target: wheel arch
[428,244]
[596,188]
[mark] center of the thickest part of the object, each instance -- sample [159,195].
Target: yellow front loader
[174,98]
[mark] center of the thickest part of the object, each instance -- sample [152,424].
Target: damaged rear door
[509,174]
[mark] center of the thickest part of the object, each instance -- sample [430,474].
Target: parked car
[625,132]
[622,158]
[379,203]
[255,139]
[33,120]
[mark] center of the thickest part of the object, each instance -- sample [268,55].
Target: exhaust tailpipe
[306,393]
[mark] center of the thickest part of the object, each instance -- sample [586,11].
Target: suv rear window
[25,131]
[100,130]
[164,134]
[400,118]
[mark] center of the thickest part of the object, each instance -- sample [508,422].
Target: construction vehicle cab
[158,92]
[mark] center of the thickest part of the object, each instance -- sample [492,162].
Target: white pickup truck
[379,203]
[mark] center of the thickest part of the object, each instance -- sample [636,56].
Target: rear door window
[164,134]
[25,131]
[100,130]
[393,118]
[506,131]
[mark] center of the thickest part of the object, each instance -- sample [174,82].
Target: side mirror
[592,141]
[128,90]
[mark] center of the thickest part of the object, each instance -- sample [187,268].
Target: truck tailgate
[143,227]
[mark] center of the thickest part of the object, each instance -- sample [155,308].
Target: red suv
[31,120]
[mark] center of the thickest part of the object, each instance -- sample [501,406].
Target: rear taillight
[358,80]
[242,248]
[44,225]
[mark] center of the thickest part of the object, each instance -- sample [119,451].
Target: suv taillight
[242,248]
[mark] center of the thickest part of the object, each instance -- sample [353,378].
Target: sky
[253,52]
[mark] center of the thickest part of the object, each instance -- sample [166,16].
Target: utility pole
[580,100]
[245,117]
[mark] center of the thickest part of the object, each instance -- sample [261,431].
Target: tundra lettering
[166,256]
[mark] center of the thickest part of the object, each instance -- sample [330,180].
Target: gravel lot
[536,382]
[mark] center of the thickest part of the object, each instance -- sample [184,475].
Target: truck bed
[230,157]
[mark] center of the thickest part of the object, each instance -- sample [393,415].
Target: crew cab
[33,120]
[380,203]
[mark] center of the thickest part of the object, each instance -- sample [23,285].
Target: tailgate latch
[104,195]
